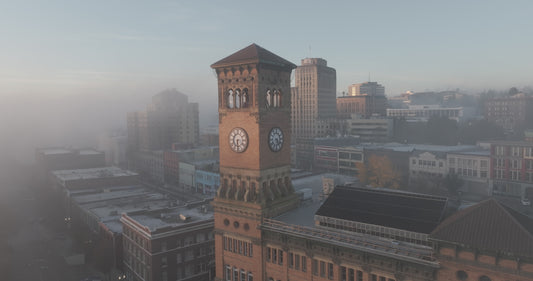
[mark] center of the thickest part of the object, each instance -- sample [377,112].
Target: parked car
[526,202]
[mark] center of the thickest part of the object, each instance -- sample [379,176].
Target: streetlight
[67,221]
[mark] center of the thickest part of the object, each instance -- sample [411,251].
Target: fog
[73,120]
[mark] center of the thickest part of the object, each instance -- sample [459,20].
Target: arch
[230,99]
[484,278]
[277,98]
[245,98]
[237,98]
[269,98]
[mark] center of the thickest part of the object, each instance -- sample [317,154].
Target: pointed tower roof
[489,226]
[253,54]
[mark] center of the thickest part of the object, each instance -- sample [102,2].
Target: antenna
[309,51]
[369,76]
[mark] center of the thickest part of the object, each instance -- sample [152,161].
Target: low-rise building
[511,168]
[473,168]
[424,112]
[169,244]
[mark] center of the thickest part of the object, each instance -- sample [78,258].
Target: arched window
[237,99]
[245,98]
[484,278]
[277,98]
[461,275]
[269,98]
[230,99]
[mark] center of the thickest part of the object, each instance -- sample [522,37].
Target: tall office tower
[313,107]
[255,173]
[364,99]
[170,118]
[313,99]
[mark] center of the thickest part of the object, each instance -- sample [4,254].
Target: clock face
[275,139]
[238,140]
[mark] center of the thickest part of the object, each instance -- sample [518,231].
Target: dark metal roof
[388,208]
[489,225]
[253,54]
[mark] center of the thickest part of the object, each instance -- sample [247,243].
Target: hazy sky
[126,51]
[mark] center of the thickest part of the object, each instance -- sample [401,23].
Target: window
[228,273]
[269,254]
[250,276]
[304,263]
[297,262]
[274,255]
[230,99]
[280,258]
[461,275]
[314,267]
[330,271]
[359,275]
[291,260]
[235,274]
[322,269]
[164,262]
[243,275]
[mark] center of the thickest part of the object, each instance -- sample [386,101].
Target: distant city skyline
[115,55]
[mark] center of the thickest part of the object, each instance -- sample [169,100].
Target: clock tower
[254,103]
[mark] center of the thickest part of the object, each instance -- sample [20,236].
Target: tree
[441,131]
[476,130]
[378,172]
[452,183]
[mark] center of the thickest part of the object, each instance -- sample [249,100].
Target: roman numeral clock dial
[275,139]
[238,140]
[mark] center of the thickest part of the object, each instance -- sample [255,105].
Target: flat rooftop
[92,173]
[108,207]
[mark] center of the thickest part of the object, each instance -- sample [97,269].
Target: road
[38,240]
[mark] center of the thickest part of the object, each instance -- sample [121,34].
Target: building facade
[473,167]
[170,118]
[513,113]
[313,100]
[364,99]
[424,112]
[169,244]
[511,168]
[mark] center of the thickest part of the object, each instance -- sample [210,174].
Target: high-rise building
[364,99]
[170,118]
[313,99]
[313,108]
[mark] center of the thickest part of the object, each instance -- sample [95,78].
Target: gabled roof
[489,226]
[253,54]
[388,208]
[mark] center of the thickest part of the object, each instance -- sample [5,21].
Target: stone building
[169,244]
[364,99]
[262,232]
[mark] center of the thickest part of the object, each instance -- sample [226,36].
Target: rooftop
[490,226]
[253,54]
[384,207]
[92,173]
[170,218]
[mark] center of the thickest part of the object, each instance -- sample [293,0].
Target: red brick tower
[254,129]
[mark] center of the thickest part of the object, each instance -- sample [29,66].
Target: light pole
[67,221]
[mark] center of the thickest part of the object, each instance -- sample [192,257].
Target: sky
[61,62]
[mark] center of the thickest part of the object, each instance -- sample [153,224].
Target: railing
[416,253]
